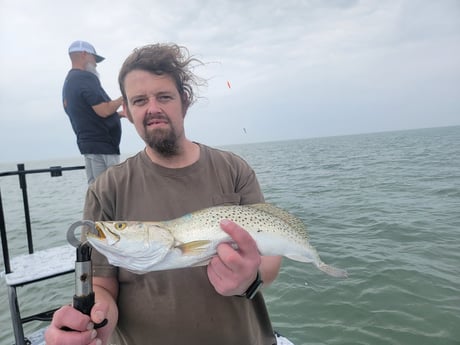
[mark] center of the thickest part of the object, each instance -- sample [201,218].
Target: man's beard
[163,141]
[92,69]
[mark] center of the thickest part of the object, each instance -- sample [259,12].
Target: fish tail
[332,271]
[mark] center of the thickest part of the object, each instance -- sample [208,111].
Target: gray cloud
[297,68]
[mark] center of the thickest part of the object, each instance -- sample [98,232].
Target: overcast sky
[297,69]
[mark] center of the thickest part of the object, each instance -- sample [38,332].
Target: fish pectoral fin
[194,247]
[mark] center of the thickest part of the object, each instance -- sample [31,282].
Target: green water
[384,206]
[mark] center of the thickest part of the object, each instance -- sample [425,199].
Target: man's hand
[232,271]
[71,327]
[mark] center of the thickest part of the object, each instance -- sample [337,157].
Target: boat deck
[43,264]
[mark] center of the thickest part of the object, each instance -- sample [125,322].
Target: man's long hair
[165,59]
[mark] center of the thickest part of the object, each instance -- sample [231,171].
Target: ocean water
[384,206]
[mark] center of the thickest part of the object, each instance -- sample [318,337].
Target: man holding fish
[218,303]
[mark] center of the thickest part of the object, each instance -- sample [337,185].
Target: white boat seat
[30,268]
[42,264]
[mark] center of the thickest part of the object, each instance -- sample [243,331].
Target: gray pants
[96,164]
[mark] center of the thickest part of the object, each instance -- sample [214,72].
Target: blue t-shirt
[82,90]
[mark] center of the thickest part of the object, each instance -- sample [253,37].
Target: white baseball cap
[82,46]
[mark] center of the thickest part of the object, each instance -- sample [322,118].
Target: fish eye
[120,226]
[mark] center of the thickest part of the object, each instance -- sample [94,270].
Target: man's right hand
[71,327]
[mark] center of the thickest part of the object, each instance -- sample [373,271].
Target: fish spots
[192,240]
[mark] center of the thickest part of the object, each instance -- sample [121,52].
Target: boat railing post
[6,253]
[25,199]
[18,329]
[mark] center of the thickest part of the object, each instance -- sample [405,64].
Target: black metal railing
[54,171]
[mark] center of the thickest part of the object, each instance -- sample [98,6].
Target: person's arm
[232,271]
[269,268]
[106,293]
[69,326]
[105,109]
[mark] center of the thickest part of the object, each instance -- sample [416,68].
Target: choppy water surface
[384,206]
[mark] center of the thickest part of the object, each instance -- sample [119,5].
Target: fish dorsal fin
[193,247]
[277,212]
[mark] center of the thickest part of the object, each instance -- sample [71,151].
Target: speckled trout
[192,240]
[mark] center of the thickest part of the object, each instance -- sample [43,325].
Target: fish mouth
[100,232]
[103,234]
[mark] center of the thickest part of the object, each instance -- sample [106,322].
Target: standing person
[214,304]
[92,113]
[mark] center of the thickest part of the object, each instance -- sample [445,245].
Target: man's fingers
[242,238]
[69,327]
[70,318]
[99,312]
[232,271]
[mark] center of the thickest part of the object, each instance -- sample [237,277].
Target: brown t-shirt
[176,307]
